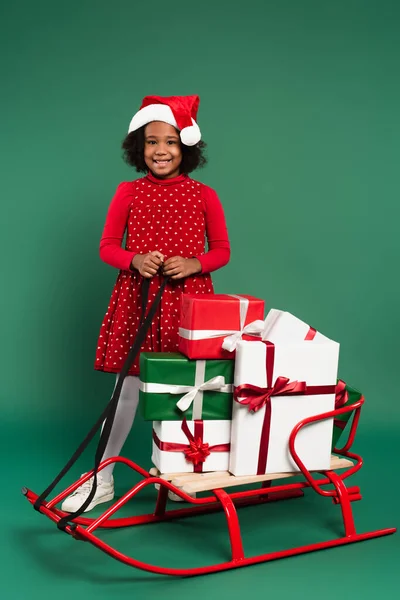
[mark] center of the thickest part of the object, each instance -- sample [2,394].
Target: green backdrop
[299,107]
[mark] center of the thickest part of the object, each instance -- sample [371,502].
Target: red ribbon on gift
[341,398]
[197,451]
[256,397]
[310,334]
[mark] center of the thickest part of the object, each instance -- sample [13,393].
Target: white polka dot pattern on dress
[154,223]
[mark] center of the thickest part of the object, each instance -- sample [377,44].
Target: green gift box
[173,387]
[345,395]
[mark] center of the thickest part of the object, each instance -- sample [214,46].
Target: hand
[148,264]
[178,267]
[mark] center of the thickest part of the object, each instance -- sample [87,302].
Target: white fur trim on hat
[161,112]
[153,112]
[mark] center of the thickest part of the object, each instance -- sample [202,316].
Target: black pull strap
[144,296]
[108,414]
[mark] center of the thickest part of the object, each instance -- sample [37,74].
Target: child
[166,216]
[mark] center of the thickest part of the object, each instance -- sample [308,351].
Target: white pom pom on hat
[190,135]
[178,111]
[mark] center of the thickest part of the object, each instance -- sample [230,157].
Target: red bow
[341,394]
[256,397]
[197,451]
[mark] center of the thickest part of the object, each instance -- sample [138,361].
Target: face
[162,149]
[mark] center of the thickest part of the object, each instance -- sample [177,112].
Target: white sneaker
[104,493]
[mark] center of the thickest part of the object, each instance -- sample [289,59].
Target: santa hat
[179,111]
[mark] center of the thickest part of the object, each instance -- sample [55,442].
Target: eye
[150,142]
[171,142]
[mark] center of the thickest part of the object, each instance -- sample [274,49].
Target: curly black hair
[133,153]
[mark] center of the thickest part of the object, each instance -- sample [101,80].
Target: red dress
[173,216]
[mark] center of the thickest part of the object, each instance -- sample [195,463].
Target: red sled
[84,529]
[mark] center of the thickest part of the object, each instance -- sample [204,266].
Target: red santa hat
[179,111]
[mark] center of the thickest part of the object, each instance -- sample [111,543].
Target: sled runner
[329,484]
[344,464]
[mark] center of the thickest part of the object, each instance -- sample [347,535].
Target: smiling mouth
[162,163]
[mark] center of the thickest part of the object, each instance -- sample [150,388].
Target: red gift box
[212,324]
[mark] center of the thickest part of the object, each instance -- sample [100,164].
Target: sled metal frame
[84,529]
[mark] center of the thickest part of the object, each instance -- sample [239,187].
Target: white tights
[123,421]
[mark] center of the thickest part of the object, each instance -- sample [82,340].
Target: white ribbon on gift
[193,394]
[233,335]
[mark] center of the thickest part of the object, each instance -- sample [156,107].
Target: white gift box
[314,362]
[282,326]
[170,433]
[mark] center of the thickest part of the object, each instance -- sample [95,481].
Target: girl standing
[167,217]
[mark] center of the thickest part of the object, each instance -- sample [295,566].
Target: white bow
[255,328]
[191,391]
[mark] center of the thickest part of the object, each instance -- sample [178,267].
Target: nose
[161,150]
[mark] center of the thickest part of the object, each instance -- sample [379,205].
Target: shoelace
[86,487]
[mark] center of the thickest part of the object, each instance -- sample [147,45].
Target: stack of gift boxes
[231,396]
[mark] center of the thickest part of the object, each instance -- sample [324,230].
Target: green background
[299,107]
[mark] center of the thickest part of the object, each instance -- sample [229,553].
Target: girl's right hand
[148,264]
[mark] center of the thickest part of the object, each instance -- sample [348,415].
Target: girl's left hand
[178,267]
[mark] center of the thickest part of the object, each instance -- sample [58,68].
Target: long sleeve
[111,251]
[216,231]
